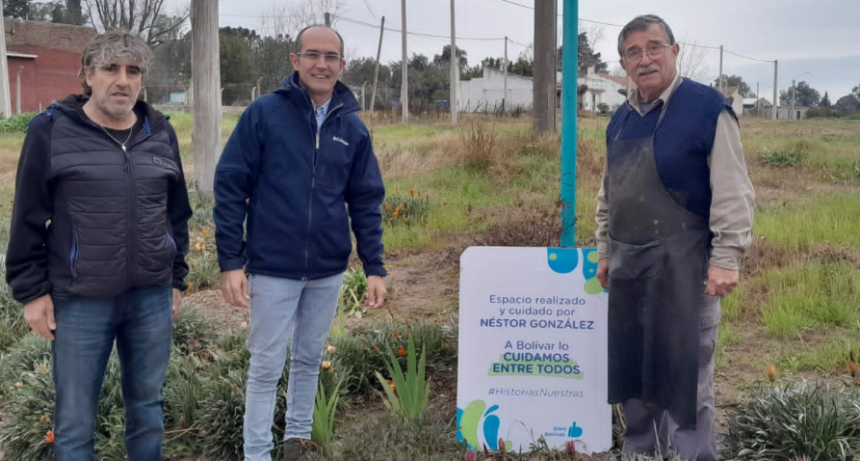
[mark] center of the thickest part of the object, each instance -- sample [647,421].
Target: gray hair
[640,24]
[312,26]
[109,47]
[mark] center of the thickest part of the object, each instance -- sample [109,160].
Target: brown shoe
[297,449]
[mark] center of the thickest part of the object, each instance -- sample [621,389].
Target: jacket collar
[74,105]
[342,95]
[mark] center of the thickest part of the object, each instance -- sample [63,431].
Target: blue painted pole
[570,65]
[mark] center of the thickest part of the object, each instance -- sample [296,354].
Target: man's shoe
[297,449]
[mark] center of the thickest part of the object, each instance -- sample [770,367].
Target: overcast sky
[819,37]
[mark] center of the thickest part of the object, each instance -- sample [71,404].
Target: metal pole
[505,95]
[455,67]
[793,97]
[328,19]
[757,99]
[570,64]
[18,91]
[544,90]
[376,68]
[5,96]
[404,81]
[720,82]
[775,86]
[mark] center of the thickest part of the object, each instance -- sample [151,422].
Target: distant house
[602,89]
[486,93]
[45,58]
[734,98]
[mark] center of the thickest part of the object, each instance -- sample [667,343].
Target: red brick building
[47,56]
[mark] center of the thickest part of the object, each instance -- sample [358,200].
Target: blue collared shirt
[320,112]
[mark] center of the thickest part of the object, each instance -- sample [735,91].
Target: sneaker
[297,449]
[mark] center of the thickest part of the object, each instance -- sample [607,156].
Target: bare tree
[288,20]
[691,62]
[145,18]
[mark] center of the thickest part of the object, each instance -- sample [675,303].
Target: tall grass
[832,218]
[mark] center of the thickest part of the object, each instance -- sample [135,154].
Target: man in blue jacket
[300,167]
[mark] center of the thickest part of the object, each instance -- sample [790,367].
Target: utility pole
[544,68]
[376,68]
[206,73]
[505,94]
[775,86]
[569,86]
[757,99]
[455,67]
[5,96]
[328,19]
[793,97]
[721,70]
[404,63]
[18,91]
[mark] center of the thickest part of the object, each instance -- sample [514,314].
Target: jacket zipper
[313,187]
[132,216]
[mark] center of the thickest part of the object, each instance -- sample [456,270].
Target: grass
[832,218]
[819,295]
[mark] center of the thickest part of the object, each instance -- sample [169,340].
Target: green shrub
[791,156]
[193,328]
[795,420]
[407,392]
[16,123]
[23,357]
[28,412]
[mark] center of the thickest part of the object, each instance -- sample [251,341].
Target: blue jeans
[140,321]
[285,312]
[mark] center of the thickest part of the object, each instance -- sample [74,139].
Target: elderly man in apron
[674,217]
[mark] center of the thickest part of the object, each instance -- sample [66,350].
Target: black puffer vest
[110,229]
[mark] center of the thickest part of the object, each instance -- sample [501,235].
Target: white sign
[532,350]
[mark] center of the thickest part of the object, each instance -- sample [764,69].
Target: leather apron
[658,262]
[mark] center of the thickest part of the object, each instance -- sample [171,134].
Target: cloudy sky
[814,41]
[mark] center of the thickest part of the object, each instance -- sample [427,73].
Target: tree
[802,95]
[445,57]
[825,101]
[691,62]
[17,9]
[238,69]
[856,91]
[848,104]
[587,57]
[145,18]
[74,13]
[734,80]
[361,70]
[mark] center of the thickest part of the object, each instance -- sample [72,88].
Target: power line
[370,10]
[746,57]
[421,34]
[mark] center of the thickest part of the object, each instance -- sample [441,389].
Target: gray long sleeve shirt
[731,211]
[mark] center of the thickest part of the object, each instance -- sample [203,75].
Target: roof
[619,80]
[22,36]
[728,91]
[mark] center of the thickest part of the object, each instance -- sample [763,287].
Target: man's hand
[234,287]
[177,301]
[721,281]
[603,272]
[375,292]
[39,313]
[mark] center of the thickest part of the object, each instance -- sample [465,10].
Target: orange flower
[412,192]
[49,437]
[771,372]
[391,385]
[374,348]
[326,364]
[397,188]
[190,286]
[388,207]
[402,351]
[205,233]
[396,212]
[396,335]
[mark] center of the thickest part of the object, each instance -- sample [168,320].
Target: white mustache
[651,68]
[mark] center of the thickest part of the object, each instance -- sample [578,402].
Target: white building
[602,89]
[485,94]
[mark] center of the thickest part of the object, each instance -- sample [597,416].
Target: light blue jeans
[285,313]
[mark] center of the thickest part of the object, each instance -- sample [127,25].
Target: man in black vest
[98,242]
[674,216]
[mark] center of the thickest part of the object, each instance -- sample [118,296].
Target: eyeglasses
[653,51]
[330,58]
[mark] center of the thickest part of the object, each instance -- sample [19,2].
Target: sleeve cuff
[231,264]
[602,250]
[43,289]
[375,270]
[726,258]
